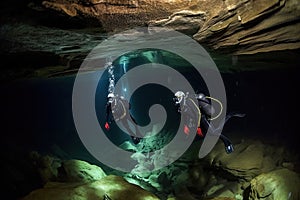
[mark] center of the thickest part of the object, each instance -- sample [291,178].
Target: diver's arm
[195,111]
[206,107]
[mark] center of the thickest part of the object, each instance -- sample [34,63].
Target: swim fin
[135,140]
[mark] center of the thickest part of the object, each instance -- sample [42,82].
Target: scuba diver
[117,109]
[203,111]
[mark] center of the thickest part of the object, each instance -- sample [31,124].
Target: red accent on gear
[199,132]
[186,130]
[106,126]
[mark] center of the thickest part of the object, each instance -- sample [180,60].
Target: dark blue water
[37,113]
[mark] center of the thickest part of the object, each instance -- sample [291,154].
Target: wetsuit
[191,114]
[197,113]
[118,110]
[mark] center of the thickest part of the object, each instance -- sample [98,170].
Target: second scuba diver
[199,114]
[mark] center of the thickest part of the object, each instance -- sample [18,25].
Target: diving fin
[135,140]
[227,143]
[233,114]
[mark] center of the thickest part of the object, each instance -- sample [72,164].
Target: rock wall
[254,26]
[115,14]
[53,36]
[241,27]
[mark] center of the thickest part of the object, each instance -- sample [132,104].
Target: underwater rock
[239,26]
[248,27]
[53,169]
[19,176]
[214,189]
[224,189]
[231,26]
[47,166]
[249,159]
[228,176]
[275,185]
[151,171]
[182,193]
[191,182]
[78,170]
[115,187]
[198,177]
[127,145]
[185,21]
[156,157]
[221,198]
[116,14]
[159,181]
[42,51]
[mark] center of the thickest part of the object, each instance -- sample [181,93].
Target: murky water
[37,114]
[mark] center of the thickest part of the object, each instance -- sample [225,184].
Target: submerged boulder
[78,170]
[275,185]
[249,159]
[221,198]
[53,169]
[46,166]
[114,187]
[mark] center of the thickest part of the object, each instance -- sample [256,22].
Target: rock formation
[113,187]
[54,36]
[278,184]
[241,27]
[77,179]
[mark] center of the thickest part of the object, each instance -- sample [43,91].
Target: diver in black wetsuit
[199,114]
[117,109]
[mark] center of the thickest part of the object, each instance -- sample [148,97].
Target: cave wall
[241,27]
[35,31]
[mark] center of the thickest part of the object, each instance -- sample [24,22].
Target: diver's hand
[107,127]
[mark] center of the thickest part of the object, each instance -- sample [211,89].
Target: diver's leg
[213,131]
[207,126]
[132,119]
[137,131]
[135,139]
